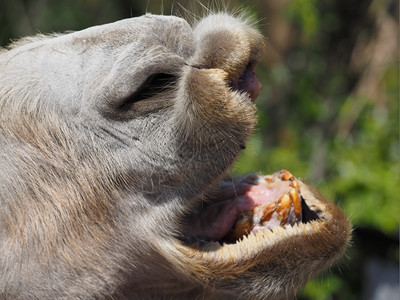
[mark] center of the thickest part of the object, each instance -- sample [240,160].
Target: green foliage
[305,12]
[365,171]
[323,288]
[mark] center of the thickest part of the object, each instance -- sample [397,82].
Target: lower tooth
[283,208]
[267,212]
[243,226]
[284,202]
[294,196]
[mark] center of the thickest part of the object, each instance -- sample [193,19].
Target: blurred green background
[328,112]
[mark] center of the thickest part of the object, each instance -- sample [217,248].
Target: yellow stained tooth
[286,175]
[268,179]
[294,184]
[296,202]
[261,214]
[283,208]
[284,202]
[243,226]
[267,212]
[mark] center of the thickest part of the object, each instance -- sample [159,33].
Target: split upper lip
[248,82]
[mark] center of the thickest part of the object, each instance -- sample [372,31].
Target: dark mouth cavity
[247,205]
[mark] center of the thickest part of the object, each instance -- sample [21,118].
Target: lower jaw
[308,245]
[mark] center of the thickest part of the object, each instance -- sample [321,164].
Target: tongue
[216,220]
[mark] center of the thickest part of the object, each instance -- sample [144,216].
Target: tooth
[257,213]
[243,225]
[267,212]
[294,184]
[286,175]
[283,208]
[294,196]
[268,179]
[284,202]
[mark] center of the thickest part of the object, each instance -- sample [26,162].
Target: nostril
[248,82]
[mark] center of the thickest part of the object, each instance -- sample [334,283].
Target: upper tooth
[294,196]
[294,184]
[286,175]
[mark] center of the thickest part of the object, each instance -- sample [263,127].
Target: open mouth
[245,206]
[256,234]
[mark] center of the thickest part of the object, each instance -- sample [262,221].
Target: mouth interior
[247,205]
